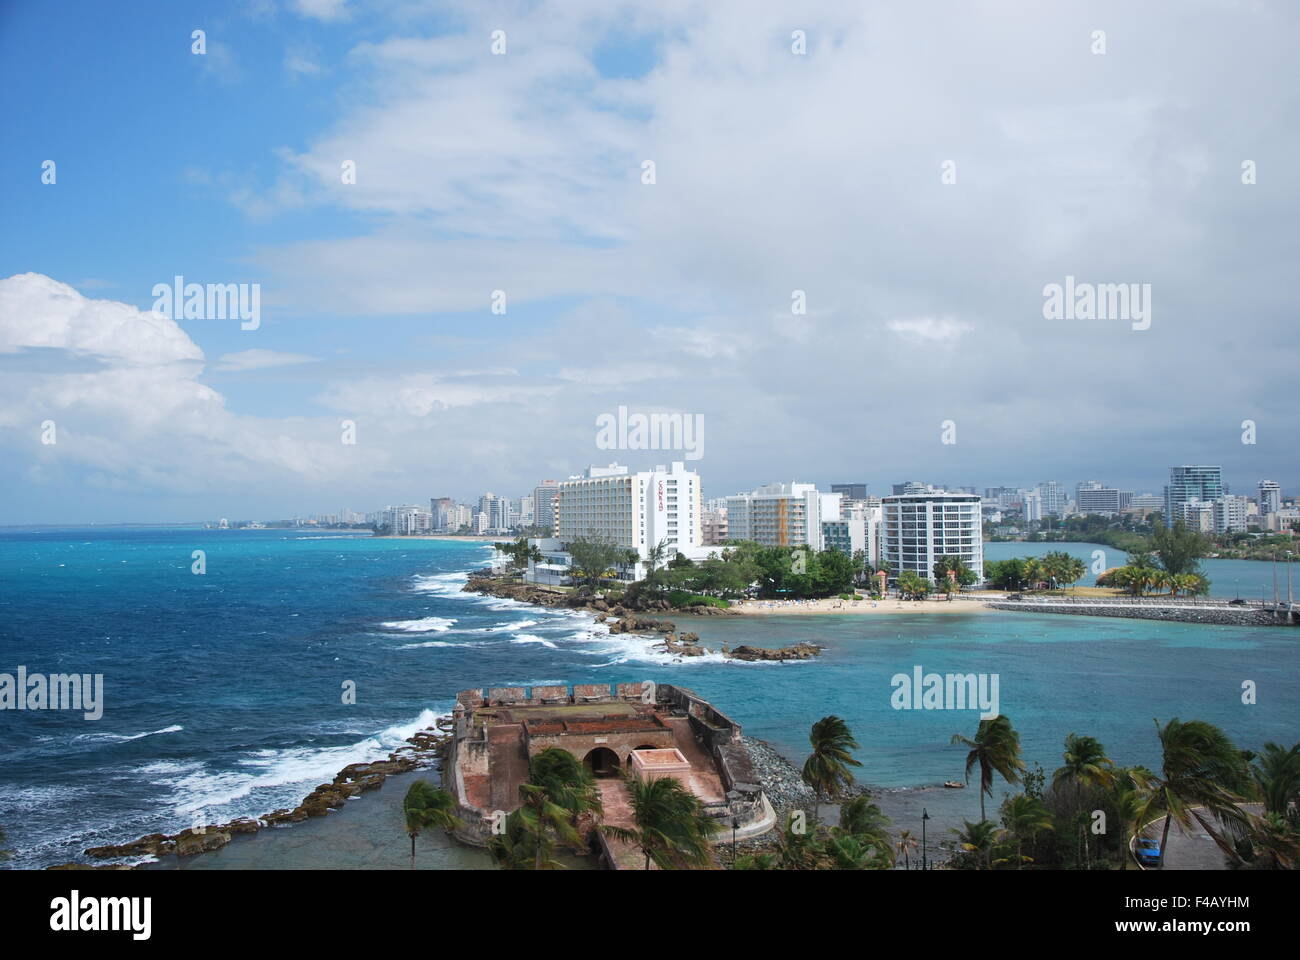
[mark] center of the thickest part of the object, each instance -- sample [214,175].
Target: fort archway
[602,762]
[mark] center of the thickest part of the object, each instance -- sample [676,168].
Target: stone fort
[646,730]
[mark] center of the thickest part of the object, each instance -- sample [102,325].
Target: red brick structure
[679,734]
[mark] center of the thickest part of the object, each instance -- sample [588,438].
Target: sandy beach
[467,538]
[833,605]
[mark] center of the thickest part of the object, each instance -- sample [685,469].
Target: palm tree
[996,748]
[670,825]
[1131,798]
[905,844]
[1024,818]
[978,839]
[1086,769]
[862,819]
[558,791]
[1276,773]
[426,806]
[1200,768]
[826,769]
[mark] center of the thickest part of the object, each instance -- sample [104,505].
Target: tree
[426,806]
[978,840]
[559,790]
[905,844]
[1131,798]
[1023,818]
[1178,548]
[912,586]
[595,557]
[1276,776]
[671,828]
[1086,771]
[827,768]
[1200,767]
[863,820]
[996,749]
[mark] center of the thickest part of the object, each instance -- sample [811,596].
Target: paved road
[1193,850]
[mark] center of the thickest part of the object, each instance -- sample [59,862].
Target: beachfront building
[858,528]
[850,491]
[780,515]
[920,528]
[639,511]
[408,520]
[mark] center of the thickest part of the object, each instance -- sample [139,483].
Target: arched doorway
[602,762]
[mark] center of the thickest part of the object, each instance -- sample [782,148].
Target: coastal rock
[155,844]
[799,651]
[189,843]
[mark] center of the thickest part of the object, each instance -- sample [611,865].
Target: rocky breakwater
[424,748]
[1227,614]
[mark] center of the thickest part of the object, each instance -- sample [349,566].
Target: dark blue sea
[224,691]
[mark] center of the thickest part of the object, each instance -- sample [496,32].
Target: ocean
[225,692]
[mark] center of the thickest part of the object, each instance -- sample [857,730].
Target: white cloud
[328,10]
[258,359]
[931,330]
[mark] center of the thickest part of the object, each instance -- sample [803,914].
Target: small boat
[954,784]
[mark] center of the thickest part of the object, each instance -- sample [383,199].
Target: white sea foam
[530,638]
[123,737]
[443,584]
[429,643]
[277,777]
[423,625]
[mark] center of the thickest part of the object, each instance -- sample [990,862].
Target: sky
[839,263]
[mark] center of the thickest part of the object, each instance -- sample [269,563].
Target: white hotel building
[635,510]
[919,528]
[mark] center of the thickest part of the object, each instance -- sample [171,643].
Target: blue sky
[523,172]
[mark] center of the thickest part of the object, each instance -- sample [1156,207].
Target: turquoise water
[223,690]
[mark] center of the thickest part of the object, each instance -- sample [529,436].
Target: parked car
[1148,852]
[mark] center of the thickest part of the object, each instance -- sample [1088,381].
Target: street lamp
[925,815]
[735,825]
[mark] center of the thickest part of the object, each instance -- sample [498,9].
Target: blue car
[1148,852]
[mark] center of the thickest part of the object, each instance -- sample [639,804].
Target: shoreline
[835,606]
[466,538]
[423,752]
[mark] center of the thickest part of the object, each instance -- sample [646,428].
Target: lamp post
[735,825]
[925,815]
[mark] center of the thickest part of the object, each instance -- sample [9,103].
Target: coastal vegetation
[669,825]
[995,749]
[827,768]
[746,568]
[1056,569]
[558,793]
[425,807]
[1085,818]
[860,841]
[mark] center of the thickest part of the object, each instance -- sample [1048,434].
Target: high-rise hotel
[639,511]
[919,528]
